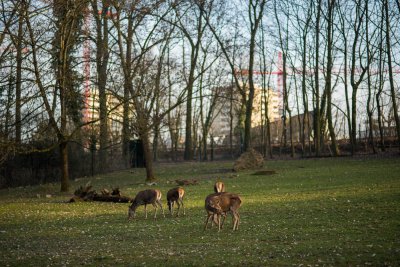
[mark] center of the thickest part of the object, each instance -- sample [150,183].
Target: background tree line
[170,63]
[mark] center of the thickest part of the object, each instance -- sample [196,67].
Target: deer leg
[155,210]
[214,219]
[208,218]
[145,210]
[223,221]
[162,209]
[179,207]
[183,207]
[236,220]
[219,222]
[171,208]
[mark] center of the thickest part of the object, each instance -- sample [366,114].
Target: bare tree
[255,11]
[380,79]
[101,18]
[391,79]
[344,33]
[317,114]
[369,99]
[359,18]
[284,46]
[328,77]
[190,21]
[64,42]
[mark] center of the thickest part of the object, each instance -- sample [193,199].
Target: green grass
[325,212]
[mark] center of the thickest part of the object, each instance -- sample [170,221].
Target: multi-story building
[227,113]
[91,113]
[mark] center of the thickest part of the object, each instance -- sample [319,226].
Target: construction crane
[279,74]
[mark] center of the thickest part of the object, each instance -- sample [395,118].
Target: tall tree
[190,21]
[355,83]
[283,39]
[344,33]
[102,56]
[391,79]
[304,28]
[19,10]
[328,77]
[380,79]
[369,99]
[317,114]
[65,41]
[255,13]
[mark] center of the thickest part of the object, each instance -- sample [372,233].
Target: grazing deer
[149,196]
[219,204]
[219,187]
[175,195]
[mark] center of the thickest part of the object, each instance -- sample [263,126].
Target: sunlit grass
[311,212]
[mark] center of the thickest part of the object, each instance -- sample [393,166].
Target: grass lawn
[319,212]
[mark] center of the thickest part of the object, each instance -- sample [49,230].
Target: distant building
[115,110]
[227,112]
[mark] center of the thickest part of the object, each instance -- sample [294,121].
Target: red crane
[279,75]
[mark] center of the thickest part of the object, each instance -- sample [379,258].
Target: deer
[149,196]
[175,195]
[219,187]
[221,203]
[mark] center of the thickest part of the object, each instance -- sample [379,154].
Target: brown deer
[149,196]
[175,195]
[221,203]
[219,187]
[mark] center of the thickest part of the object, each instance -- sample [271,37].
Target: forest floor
[309,212]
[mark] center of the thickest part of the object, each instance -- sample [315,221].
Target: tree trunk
[19,76]
[148,158]
[317,126]
[125,125]
[255,18]
[355,84]
[392,89]
[188,153]
[369,110]
[380,85]
[305,120]
[102,55]
[328,83]
[64,166]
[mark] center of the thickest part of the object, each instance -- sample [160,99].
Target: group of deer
[153,197]
[217,205]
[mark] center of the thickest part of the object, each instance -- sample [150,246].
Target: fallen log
[84,193]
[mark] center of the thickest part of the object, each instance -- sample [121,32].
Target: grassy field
[318,212]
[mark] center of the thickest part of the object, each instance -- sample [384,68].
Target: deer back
[147,197]
[223,202]
[175,194]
